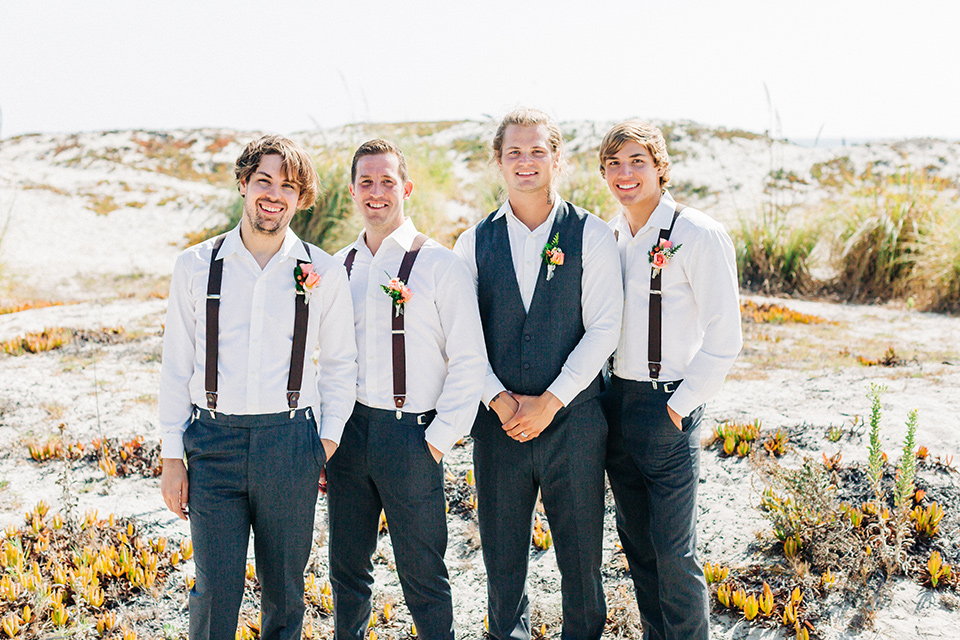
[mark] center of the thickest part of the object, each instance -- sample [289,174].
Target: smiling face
[270,198]
[527,160]
[634,179]
[379,191]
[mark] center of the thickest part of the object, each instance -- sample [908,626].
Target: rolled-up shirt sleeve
[179,353]
[337,354]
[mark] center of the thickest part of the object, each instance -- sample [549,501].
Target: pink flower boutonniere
[552,255]
[661,253]
[398,290]
[306,278]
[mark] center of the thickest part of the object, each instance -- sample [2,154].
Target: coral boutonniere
[552,255]
[398,290]
[661,253]
[307,279]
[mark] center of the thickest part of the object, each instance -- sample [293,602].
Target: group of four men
[505,337]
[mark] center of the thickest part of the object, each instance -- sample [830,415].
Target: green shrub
[772,255]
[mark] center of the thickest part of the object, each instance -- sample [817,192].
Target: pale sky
[843,69]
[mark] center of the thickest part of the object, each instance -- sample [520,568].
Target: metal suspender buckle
[212,403]
[422,419]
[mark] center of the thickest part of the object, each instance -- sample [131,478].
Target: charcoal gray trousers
[259,472]
[565,464]
[385,463]
[654,469]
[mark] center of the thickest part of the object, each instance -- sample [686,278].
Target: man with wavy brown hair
[242,399]
[680,336]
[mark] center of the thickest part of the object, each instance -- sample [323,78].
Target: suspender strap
[214,280]
[656,317]
[299,346]
[348,262]
[399,351]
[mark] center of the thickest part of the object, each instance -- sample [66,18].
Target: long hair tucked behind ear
[525,117]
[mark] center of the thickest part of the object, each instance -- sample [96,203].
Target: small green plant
[906,468]
[875,459]
[835,432]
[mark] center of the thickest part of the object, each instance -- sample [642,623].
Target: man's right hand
[505,406]
[173,486]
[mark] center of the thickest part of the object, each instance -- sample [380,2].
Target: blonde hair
[296,162]
[642,133]
[525,117]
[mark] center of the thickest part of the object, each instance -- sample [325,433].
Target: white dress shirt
[601,297]
[701,303]
[256,332]
[445,352]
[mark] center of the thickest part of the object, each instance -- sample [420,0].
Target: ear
[242,188]
[407,189]
[350,187]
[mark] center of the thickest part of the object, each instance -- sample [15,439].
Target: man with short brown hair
[681,334]
[421,367]
[240,394]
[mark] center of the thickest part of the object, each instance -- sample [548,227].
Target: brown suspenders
[656,317]
[297,349]
[397,330]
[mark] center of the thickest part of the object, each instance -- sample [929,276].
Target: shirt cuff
[331,428]
[442,435]
[491,387]
[683,400]
[564,389]
[171,445]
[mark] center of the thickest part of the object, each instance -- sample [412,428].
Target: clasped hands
[525,417]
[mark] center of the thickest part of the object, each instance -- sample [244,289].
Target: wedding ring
[523,434]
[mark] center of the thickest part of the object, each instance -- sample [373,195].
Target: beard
[260,223]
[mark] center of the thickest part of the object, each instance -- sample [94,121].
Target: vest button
[526,365]
[526,338]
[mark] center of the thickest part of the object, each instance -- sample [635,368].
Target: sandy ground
[802,378]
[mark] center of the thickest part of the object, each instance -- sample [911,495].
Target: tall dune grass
[898,238]
[773,253]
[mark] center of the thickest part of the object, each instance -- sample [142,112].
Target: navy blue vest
[527,349]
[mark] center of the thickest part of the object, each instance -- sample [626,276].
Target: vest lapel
[558,221]
[501,241]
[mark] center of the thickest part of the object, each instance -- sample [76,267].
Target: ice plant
[714,573]
[750,607]
[791,547]
[552,255]
[743,448]
[789,614]
[661,253]
[922,453]
[827,580]
[307,280]
[927,521]
[766,600]
[724,595]
[935,568]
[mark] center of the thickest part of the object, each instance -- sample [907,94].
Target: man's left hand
[329,448]
[676,417]
[534,415]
